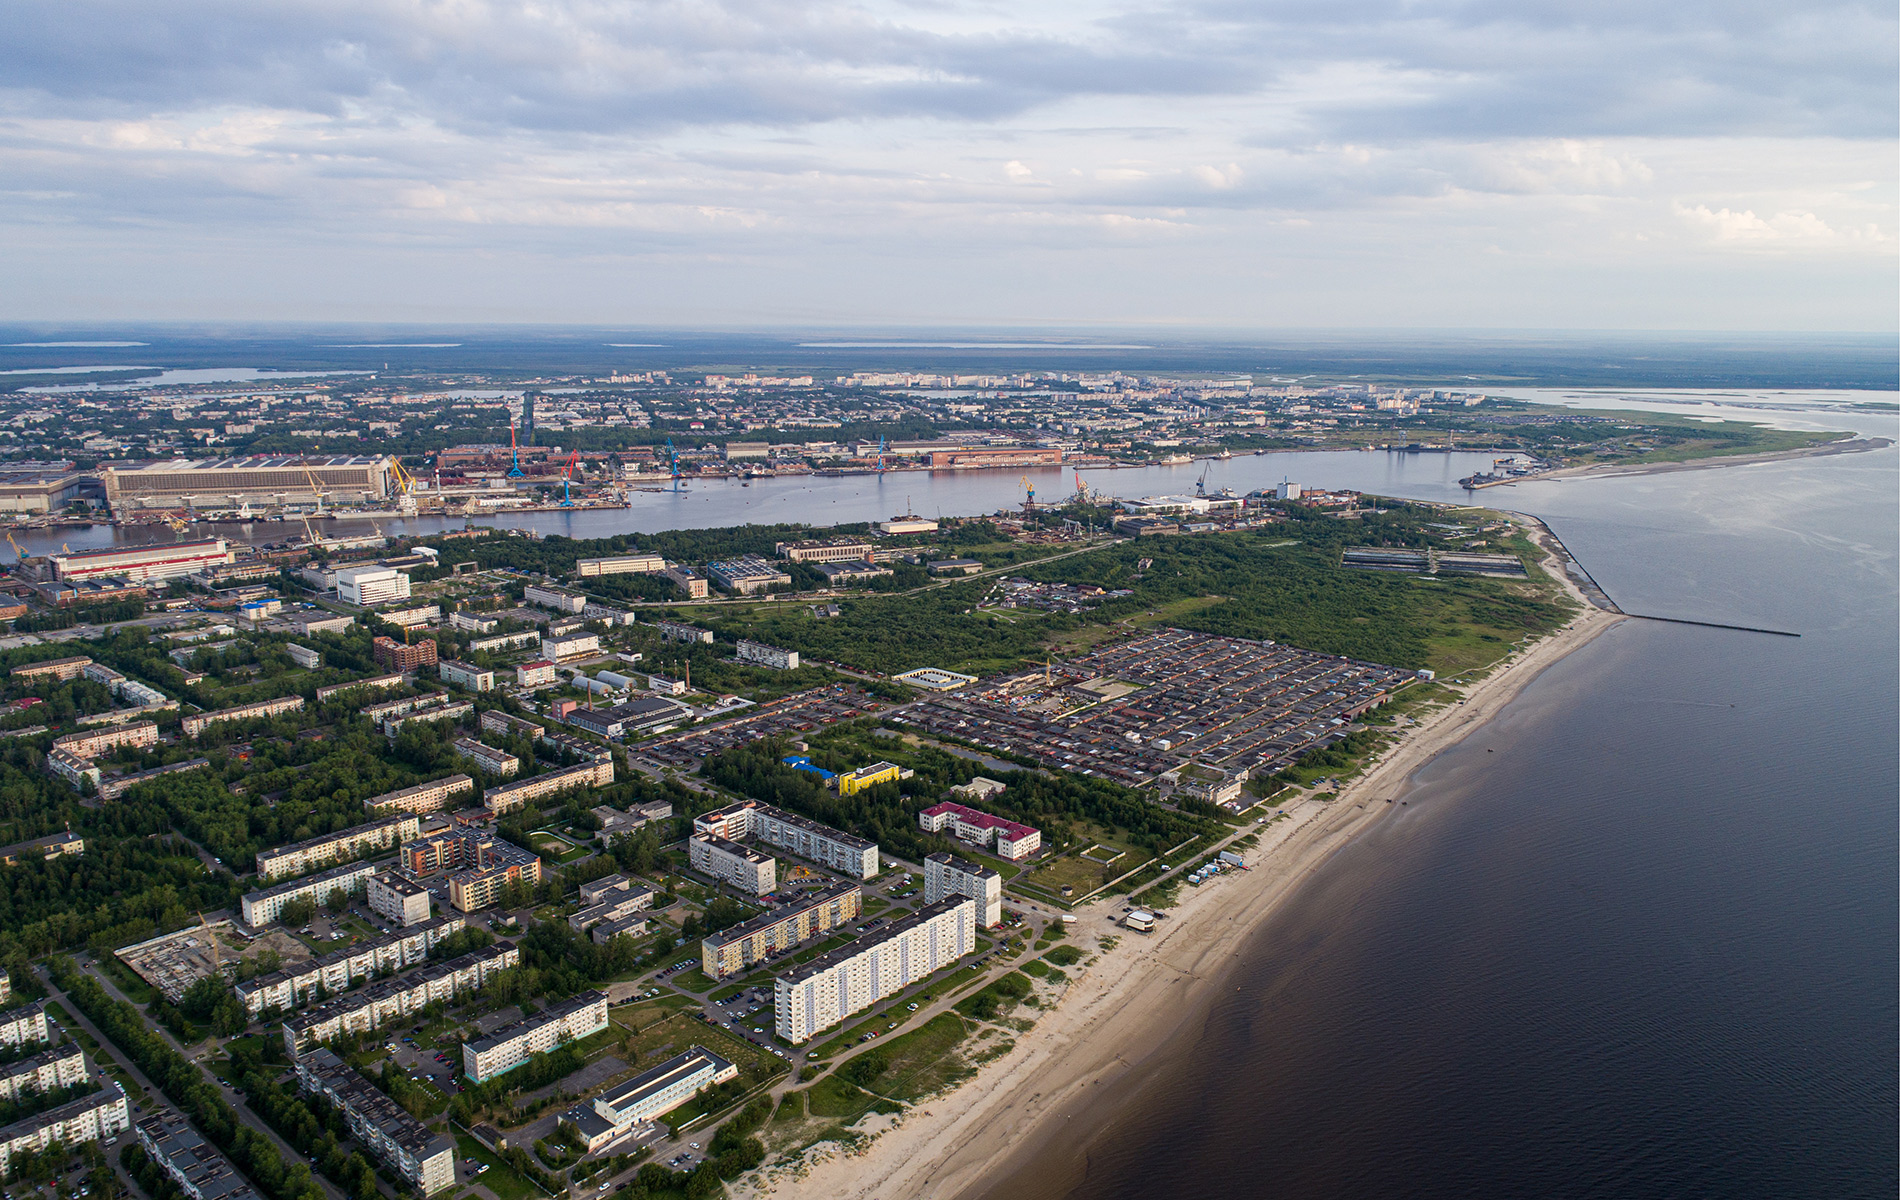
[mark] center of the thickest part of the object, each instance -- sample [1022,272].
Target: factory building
[802,836]
[44,489]
[511,1045]
[825,551]
[388,1000]
[745,945]
[747,575]
[143,563]
[830,988]
[426,1160]
[298,857]
[624,564]
[749,871]
[946,875]
[274,480]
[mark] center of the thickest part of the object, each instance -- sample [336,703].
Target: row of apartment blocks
[299,857]
[426,1160]
[842,852]
[772,933]
[190,1161]
[340,970]
[423,797]
[511,1045]
[195,725]
[830,988]
[129,690]
[510,796]
[385,1000]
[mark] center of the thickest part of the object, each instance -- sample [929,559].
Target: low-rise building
[197,724]
[748,574]
[340,970]
[852,782]
[620,564]
[537,674]
[596,890]
[832,987]
[510,796]
[743,946]
[761,655]
[687,580]
[946,875]
[829,551]
[511,1045]
[676,631]
[189,1161]
[45,849]
[749,871]
[444,710]
[260,908]
[397,899]
[392,999]
[423,797]
[614,906]
[304,656]
[1013,839]
[471,623]
[558,599]
[852,571]
[385,833]
[119,785]
[842,852]
[633,716]
[411,618]
[321,623]
[506,641]
[955,566]
[466,675]
[426,1160]
[653,1094]
[76,771]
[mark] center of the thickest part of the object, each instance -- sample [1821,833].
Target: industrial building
[266,480]
[904,526]
[750,872]
[197,724]
[46,488]
[400,900]
[946,875]
[761,655]
[843,852]
[633,716]
[298,857]
[745,945]
[498,763]
[426,1160]
[687,580]
[142,563]
[367,586]
[422,798]
[839,573]
[1013,839]
[510,796]
[341,970]
[387,1000]
[511,1045]
[260,908]
[831,987]
[624,564]
[825,551]
[392,655]
[747,575]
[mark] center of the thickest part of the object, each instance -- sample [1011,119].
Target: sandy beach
[1848,445]
[1132,999]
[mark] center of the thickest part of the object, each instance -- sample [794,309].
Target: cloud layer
[1207,156]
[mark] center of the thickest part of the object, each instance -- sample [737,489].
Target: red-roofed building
[1013,839]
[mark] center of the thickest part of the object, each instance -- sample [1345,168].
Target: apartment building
[99,1117]
[392,999]
[94,742]
[946,875]
[466,675]
[260,908]
[298,857]
[510,796]
[446,710]
[23,1026]
[841,550]
[537,674]
[191,1162]
[62,669]
[112,789]
[558,599]
[373,683]
[507,641]
[761,655]
[61,1066]
[688,581]
[621,564]
[831,987]
[76,771]
[197,724]
[750,872]
[397,899]
[844,852]
[749,943]
[675,631]
[392,655]
[482,864]
[423,797]
[341,970]
[511,1045]
[495,762]
[1013,839]
[426,1160]
[573,646]
[500,723]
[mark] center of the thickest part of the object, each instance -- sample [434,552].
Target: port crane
[405,486]
[567,475]
[514,453]
[881,468]
[1029,501]
[19,553]
[673,463]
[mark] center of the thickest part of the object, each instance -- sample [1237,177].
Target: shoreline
[1847,445]
[1124,1005]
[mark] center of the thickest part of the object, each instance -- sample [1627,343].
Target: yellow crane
[406,487]
[16,546]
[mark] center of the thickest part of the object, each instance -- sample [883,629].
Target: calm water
[1637,938]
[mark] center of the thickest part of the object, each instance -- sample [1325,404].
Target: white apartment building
[99,1117]
[622,564]
[749,871]
[574,645]
[495,762]
[424,1158]
[508,641]
[467,675]
[192,726]
[511,1045]
[389,1000]
[854,856]
[946,875]
[761,655]
[368,586]
[62,1066]
[341,970]
[400,900]
[830,988]
[385,833]
[25,1025]
[558,599]
[422,798]
[510,796]
[537,674]
[373,682]
[262,907]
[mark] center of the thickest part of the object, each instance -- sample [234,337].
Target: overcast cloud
[1352,162]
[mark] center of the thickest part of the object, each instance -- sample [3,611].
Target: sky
[1611,164]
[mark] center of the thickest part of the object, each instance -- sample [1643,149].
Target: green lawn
[500,1178]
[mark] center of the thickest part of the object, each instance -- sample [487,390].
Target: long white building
[831,987]
[650,1095]
[834,848]
[511,1045]
[341,970]
[425,1159]
[388,1000]
[262,907]
[99,1117]
[62,1066]
[946,875]
[749,871]
[298,857]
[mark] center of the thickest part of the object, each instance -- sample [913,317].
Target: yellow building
[852,782]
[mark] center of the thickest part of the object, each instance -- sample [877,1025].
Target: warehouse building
[745,945]
[946,875]
[844,852]
[263,907]
[274,480]
[830,988]
[298,857]
[341,970]
[750,872]
[825,551]
[389,1000]
[511,1045]
[142,563]
[748,574]
[425,1159]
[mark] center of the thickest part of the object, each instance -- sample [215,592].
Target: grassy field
[499,1178]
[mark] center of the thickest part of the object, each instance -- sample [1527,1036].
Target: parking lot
[799,713]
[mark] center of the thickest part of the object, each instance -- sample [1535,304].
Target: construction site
[174,962]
